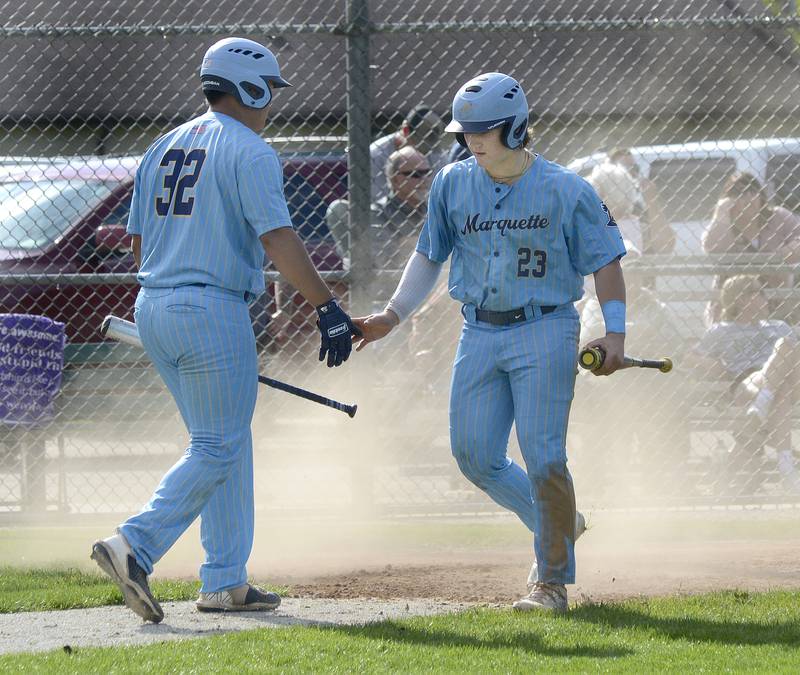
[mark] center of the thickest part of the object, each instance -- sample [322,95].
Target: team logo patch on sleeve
[610,222]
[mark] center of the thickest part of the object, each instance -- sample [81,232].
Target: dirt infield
[620,556]
[602,575]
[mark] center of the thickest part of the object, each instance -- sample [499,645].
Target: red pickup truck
[68,216]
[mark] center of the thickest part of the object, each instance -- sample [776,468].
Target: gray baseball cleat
[580,528]
[244,598]
[544,597]
[115,557]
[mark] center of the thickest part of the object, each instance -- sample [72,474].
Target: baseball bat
[591,358]
[126,331]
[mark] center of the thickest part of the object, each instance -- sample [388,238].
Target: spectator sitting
[408,179]
[620,192]
[759,356]
[633,202]
[398,218]
[396,221]
[400,213]
[657,234]
[422,129]
[745,222]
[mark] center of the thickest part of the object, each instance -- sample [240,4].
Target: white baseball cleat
[115,558]
[543,597]
[244,598]
[580,528]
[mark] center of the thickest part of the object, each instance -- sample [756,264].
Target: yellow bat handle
[591,358]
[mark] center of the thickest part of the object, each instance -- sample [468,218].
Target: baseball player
[207,204]
[523,232]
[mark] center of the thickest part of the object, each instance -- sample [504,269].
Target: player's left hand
[613,345]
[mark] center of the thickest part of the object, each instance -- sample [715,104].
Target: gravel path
[111,626]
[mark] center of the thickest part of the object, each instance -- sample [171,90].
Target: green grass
[33,590]
[729,631]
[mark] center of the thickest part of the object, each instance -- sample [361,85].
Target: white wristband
[419,278]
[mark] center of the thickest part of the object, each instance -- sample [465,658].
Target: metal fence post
[358,133]
[359,182]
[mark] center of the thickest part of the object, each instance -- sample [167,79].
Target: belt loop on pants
[468,312]
[533,312]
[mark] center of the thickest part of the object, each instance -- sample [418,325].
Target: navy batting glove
[336,331]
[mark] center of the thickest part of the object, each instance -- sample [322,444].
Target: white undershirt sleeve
[419,278]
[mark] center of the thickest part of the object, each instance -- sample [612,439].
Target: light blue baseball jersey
[530,243]
[203,195]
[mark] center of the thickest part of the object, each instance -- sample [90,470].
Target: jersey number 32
[183,176]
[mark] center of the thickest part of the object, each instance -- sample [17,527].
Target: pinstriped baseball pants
[522,374]
[201,341]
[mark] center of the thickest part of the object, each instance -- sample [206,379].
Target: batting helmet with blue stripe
[489,101]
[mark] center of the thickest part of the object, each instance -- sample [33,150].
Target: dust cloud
[366,506]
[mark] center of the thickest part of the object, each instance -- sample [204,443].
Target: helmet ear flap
[252,90]
[514,136]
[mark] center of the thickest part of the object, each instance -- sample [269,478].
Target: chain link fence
[682,115]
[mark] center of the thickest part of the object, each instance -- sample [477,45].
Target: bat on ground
[126,331]
[591,358]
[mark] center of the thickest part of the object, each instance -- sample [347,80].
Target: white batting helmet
[489,101]
[242,68]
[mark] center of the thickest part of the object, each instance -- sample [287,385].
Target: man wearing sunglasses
[398,218]
[408,180]
[423,130]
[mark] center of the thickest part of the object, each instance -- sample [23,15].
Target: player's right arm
[289,256]
[595,247]
[287,253]
[260,184]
